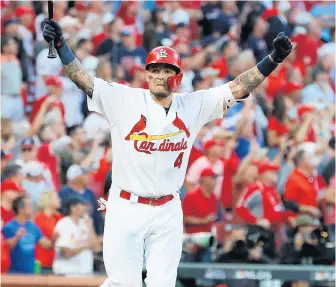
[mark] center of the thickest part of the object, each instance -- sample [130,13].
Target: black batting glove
[53,31]
[282,47]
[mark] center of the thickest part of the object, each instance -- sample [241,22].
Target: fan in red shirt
[260,204]
[47,153]
[10,190]
[128,12]
[200,206]
[231,162]
[5,255]
[292,90]
[278,126]
[229,50]
[137,74]
[46,220]
[308,44]
[303,187]
[306,133]
[197,148]
[55,90]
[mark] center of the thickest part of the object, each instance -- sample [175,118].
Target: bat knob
[52,52]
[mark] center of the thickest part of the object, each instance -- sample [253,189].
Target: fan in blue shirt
[76,188]
[22,235]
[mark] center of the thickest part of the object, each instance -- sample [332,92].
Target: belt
[146,200]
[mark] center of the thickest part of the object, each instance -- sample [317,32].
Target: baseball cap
[267,166]
[292,87]
[10,184]
[108,18]
[74,171]
[304,109]
[306,219]
[33,168]
[80,6]
[11,21]
[53,81]
[210,143]
[23,10]
[69,21]
[60,144]
[207,172]
[5,155]
[28,142]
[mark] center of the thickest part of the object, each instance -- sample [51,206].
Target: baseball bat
[52,51]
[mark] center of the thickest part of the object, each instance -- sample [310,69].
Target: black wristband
[266,66]
[64,52]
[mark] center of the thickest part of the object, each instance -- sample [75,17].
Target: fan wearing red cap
[306,131]
[293,91]
[200,205]
[50,101]
[137,73]
[260,204]
[210,159]
[9,191]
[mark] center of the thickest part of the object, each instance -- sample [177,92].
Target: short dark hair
[4,41]
[73,201]
[72,129]
[298,157]
[82,42]
[226,44]
[11,170]
[18,204]
[331,142]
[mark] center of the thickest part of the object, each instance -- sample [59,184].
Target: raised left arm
[246,82]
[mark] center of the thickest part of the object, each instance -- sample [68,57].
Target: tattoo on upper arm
[246,82]
[80,77]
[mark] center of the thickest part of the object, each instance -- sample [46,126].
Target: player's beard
[160,95]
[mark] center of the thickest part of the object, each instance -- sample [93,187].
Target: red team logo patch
[144,142]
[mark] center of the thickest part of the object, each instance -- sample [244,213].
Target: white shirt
[72,235]
[153,166]
[95,126]
[194,172]
[27,39]
[45,67]
[72,100]
[34,190]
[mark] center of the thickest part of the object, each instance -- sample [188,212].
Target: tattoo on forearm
[246,82]
[80,77]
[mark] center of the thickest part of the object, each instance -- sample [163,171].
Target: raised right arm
[81,78]
[52,31]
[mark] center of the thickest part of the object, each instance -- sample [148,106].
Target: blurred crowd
[262,178]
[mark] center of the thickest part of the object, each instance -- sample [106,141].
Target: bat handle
[52,51]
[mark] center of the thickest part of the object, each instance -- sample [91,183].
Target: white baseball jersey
[151,149]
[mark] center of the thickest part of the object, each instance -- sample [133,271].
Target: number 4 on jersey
[178,160]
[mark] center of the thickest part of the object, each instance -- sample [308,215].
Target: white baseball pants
[135,231]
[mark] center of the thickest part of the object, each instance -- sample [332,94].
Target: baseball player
[152,134]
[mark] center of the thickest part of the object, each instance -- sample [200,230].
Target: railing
[256,272]
[215,272]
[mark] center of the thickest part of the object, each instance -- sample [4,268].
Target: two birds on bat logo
[143,141]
